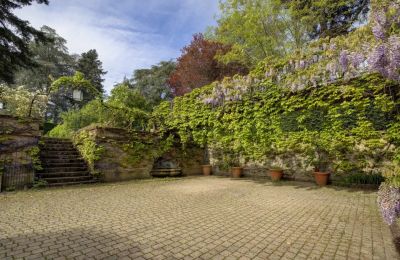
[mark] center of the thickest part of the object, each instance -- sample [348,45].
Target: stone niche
[119,162]
[17,137]
[188,159]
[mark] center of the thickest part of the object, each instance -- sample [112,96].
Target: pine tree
[90,65]
[15,36]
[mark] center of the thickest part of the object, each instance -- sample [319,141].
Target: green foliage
[126,108]
[21,101]
[139,149]
[152,83]
[15,35]
[39,184]
[256,29]
[355,179]
[324,18]
[331,126]
[77,81]
[34,153]
[88,148]
[91,67]
[259,29]
[53,61]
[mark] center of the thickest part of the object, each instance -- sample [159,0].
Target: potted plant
[206,167]
[320,158]
[236,169]
[276,173]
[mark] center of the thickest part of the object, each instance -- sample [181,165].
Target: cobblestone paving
[194,218]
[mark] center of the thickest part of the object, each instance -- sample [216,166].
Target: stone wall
[189,159]
[295,166]
[119,160]
[116,162]
[17,138]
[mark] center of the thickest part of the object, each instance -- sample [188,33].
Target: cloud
[129,35]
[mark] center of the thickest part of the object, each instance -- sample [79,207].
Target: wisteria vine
[329,60]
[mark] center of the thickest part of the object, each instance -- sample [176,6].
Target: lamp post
[77,95]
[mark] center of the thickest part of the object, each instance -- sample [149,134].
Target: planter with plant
[276,173]
[232,159]
[206,166]
[320,158]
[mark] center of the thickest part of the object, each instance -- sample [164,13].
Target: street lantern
[77,95]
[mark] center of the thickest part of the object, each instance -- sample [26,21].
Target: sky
[127,34]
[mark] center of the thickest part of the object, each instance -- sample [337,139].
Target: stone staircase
[62,163]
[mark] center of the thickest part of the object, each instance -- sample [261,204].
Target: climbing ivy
[341,126]
[34,152]
[88,148]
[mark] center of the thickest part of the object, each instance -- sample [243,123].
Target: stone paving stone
[194,218]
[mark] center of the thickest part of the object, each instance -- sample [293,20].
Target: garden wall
[19,138]
[118,155]
[297,168]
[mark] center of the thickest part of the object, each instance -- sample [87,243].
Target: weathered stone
[17,137]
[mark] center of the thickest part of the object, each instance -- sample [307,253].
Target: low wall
[120,160]
[18,139]
[296,167]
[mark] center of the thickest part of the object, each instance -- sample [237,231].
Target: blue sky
[128,34]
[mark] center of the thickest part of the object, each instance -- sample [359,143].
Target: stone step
[54,139]
[68,179]
[55,143]
[63,151]
[166,172]
[63,160]
[62,163]
[57,154]
[60,184]
[48,164]
[58,148]
[61,174]
[63,169]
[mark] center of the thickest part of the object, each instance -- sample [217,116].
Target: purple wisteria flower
[357,59]
[380,24]
[344,60]
[389,202]
[378,60]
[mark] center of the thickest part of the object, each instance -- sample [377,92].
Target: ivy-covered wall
[19,151]
[116,154]
[347,128]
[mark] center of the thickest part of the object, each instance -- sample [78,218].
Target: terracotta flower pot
[321,178]
[207,169]
[236,172]
[276,175]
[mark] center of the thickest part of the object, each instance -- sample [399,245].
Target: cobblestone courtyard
[194,218]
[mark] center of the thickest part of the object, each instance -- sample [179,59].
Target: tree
[257,29]
[91,67]
[153,83]
[197,65]
[53,61]
[15,36]
[326,18]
